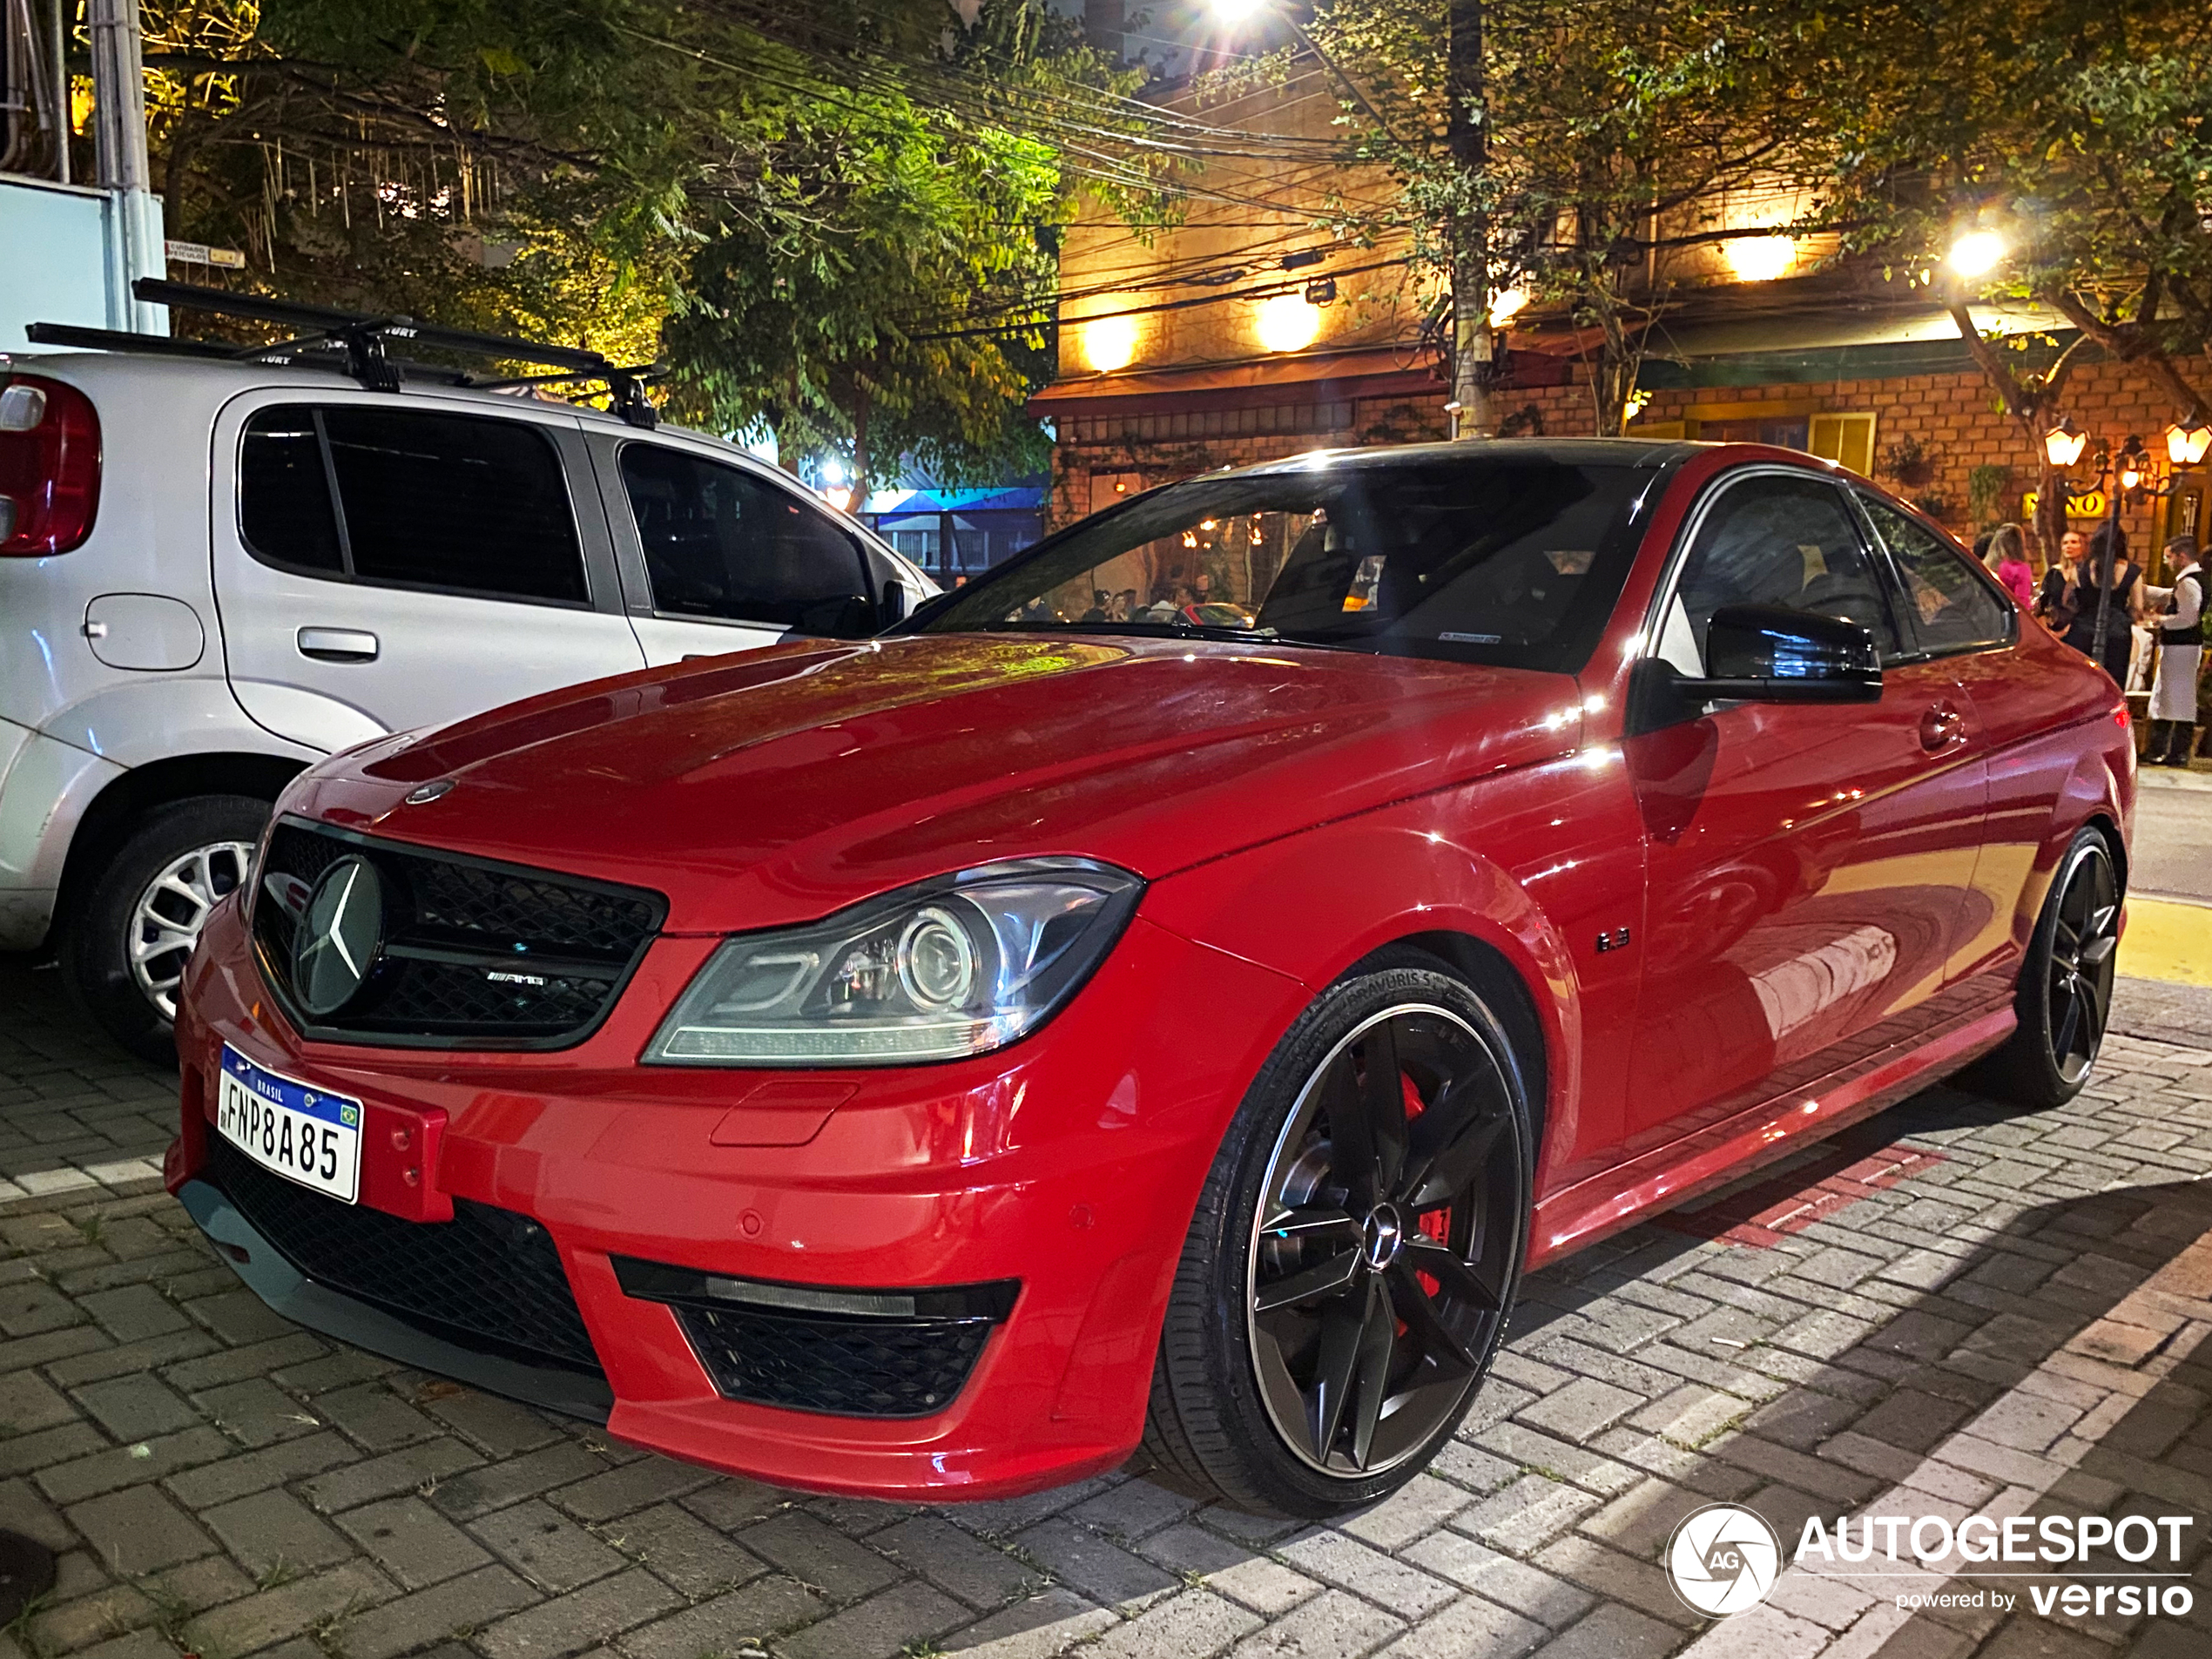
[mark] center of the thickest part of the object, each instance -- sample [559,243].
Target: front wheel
[1355,1253]
[124,949]
[2064,998]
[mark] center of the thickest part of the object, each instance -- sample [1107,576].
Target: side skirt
[1620,1197]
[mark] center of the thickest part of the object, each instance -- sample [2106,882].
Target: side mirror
[1762,654]
[895,604]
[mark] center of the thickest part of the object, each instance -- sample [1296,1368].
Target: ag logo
[1722,1559]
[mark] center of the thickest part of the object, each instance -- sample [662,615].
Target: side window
[1780,541]
[451,502]
[1952,607]
[284,493]
[720,542]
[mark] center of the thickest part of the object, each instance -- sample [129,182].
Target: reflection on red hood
[777,787]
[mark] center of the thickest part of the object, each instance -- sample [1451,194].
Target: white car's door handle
[338,645]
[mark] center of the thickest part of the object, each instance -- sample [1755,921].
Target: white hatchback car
[213,573]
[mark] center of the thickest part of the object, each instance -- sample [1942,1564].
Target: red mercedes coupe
[948,1064]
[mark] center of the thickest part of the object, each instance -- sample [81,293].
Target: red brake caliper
[1435,1223]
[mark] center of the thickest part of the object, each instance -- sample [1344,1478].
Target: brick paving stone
[726,1623]
[1419,1506]
[1038,1628]
[272,1528]
[547,1548]
[138,1530]
[1469,1629]
[1501,1578]
[1132,1509]
[619,1491]
[317,1602]
[580,1619]
[137,1407]
[682,1550]
[1520,1518]
[1334,1626]
[419,1469]
[413,1542]
[458,1607]
[1614,1632]
[887,1623]
[1099,1568]
[1581,1409]
[485,1487]
[1194,1625]
[1335,1558]
[956,1561]
[1258,1582]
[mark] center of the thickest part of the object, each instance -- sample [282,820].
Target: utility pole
[121,167]
[1467,141]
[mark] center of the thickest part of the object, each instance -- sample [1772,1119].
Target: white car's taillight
[50,467]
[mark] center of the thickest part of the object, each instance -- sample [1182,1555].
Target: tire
[1261,1319]
[2064,997]
[123,945]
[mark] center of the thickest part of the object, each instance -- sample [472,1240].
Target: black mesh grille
[849,1367]
[488,1279]
[473,954]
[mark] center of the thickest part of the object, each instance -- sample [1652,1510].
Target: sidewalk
[1984,1310]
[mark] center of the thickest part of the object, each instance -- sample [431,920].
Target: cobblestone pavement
[1952,1310]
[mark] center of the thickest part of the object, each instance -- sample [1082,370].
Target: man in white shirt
[2180,653]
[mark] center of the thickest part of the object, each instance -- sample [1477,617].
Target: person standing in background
[2180,653]
[2008,560]
[2107,553]
[2063,576]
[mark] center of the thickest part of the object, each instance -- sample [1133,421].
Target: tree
[799,211]
[2080,135]
[1587,150]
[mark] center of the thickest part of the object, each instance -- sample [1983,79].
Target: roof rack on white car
[353,343]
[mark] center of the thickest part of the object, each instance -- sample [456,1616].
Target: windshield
[1512,560]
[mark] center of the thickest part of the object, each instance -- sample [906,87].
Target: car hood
[777,787]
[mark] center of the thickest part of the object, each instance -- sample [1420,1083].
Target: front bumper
[1069,1162]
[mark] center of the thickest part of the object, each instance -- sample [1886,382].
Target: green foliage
[800,213]
[1612,125]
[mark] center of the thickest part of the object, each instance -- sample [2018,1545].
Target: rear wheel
[1355,1253]
[2064,1000]
[124,949]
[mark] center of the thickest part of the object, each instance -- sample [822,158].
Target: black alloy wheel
[1355,1251]
[1378,1272]
[2084,948]
[2063,1001]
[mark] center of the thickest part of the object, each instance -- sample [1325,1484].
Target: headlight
[956,966]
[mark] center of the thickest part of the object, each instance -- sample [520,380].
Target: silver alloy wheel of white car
[167,920]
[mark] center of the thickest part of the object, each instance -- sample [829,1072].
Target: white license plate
[302,1133]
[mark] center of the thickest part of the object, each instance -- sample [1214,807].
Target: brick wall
[1953,416]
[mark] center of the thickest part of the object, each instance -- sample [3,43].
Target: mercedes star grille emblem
[339,936]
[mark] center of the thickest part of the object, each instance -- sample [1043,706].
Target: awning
[1294,377]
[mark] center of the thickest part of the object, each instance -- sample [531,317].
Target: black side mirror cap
[1760,653]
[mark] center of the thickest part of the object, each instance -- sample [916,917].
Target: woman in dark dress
[2120,614]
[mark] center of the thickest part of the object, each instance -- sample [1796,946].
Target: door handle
[1940,727]
[338,645]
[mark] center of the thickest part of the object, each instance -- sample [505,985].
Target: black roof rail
[324,332]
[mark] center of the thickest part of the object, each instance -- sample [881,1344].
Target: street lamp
[1976,254]
[2186,446]
[2063,444]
